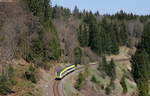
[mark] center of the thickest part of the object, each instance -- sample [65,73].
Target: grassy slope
[122,68]
[23,87]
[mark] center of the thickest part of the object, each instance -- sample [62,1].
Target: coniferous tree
[103,65]
[83,34]
[40,8]
[41,51]
[114,47]
[78,54]
[103,37]
[112,70]
[141,71]
[141,63]
[123,34]
[145,42]
[76,11]
[123,84]
[92,29]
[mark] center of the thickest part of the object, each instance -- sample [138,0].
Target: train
[63,72]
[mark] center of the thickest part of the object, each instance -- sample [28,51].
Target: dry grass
[124,67]
[7,0]
[123,54]
[23,87]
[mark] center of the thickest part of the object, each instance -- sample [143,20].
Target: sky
[140,7]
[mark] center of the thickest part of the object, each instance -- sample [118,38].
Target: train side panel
[65,71]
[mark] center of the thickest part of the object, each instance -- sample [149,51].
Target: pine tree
[141,71]
[83,35]
[145,42]
[40,8]
[141,63]
[47,10]
[112,70]
[123,84]
[77,55]
[114,47]
[123,34]
[76,11]
[103,65]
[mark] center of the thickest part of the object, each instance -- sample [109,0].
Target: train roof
[59,69]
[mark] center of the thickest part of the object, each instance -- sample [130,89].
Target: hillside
[20,49]
[36,39]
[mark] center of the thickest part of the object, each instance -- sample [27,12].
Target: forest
[103,34]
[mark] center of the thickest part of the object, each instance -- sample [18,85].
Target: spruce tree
[77,55]
[123,34]
[145,42]
[76,11]
[112,70]
[141,62]
[83,34]
[103,65]
[141,71]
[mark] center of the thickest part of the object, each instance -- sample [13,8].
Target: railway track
[57,82]
[56,88]
[56,91]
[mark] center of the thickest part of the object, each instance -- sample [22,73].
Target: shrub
[80,80]
[31,74]
[112,70]
[4,89]
[93,79]
[107,90]
[78,54]
[110,87]
[123,84]
[6,81]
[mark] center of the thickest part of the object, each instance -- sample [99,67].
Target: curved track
[56,90]
[57,83]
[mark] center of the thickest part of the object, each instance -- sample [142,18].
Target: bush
[31,74]
[6,81]
[123,84]
[78,54]
[143,87]
[4,89]
[103,66]
[80,80]
[112,70]
[46,65]
[109,88]
[93,79]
